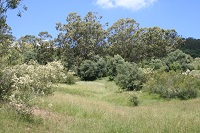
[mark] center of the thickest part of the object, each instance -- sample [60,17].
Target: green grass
[99,107]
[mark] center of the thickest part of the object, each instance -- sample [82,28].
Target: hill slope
[99,107]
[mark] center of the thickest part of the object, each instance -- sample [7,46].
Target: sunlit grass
[99,107]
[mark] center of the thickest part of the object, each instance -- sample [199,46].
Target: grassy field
[99,107]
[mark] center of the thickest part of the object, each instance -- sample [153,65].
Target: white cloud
[128,4]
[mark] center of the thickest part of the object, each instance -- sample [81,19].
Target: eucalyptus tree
[155,42]
[121,37]
[81,38]
[27,46]
[5,5]
[6,38]
[40,49]
[44,48]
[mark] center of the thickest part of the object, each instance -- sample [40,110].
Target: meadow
[100,107]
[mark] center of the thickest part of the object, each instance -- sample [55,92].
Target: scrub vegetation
[123,78]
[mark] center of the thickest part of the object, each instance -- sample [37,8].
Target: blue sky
[42,15]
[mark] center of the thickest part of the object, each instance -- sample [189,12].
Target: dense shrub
[173,85]
[101,68]
[154,64]
[195,64]
[93,69]
[112,63]
[178,60]
[129,76]
[88,70]
[31,77]
[158,64]
[21,83]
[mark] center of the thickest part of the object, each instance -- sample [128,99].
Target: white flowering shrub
[21,83]
[34,78]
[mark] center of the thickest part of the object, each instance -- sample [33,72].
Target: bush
[178,60]
[21,83]
[101,68]
[195,64]
[134,100]
[70,79]
[154,64]
[129,77]
[88,70]
[173,85]
[32,77]
[158,64]
[112,63]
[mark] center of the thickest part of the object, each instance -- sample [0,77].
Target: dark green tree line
[191,47]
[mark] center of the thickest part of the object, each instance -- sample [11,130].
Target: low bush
[134,100]
[173,85]
[71,79]
[195,64]
[129,76]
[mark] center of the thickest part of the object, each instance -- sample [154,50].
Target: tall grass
[89,107]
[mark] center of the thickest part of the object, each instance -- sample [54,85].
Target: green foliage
[112,63]
[173,85]
[121,37]
[5,30]
[101,68]
[81,39]
[88,70]
[27,47]
[134,100]
[154,42]
[129,76]
[191,47]
[44,48]
[39,48]
[70,79]
[157,64]
[178,60]
[195,64]
[154,64]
